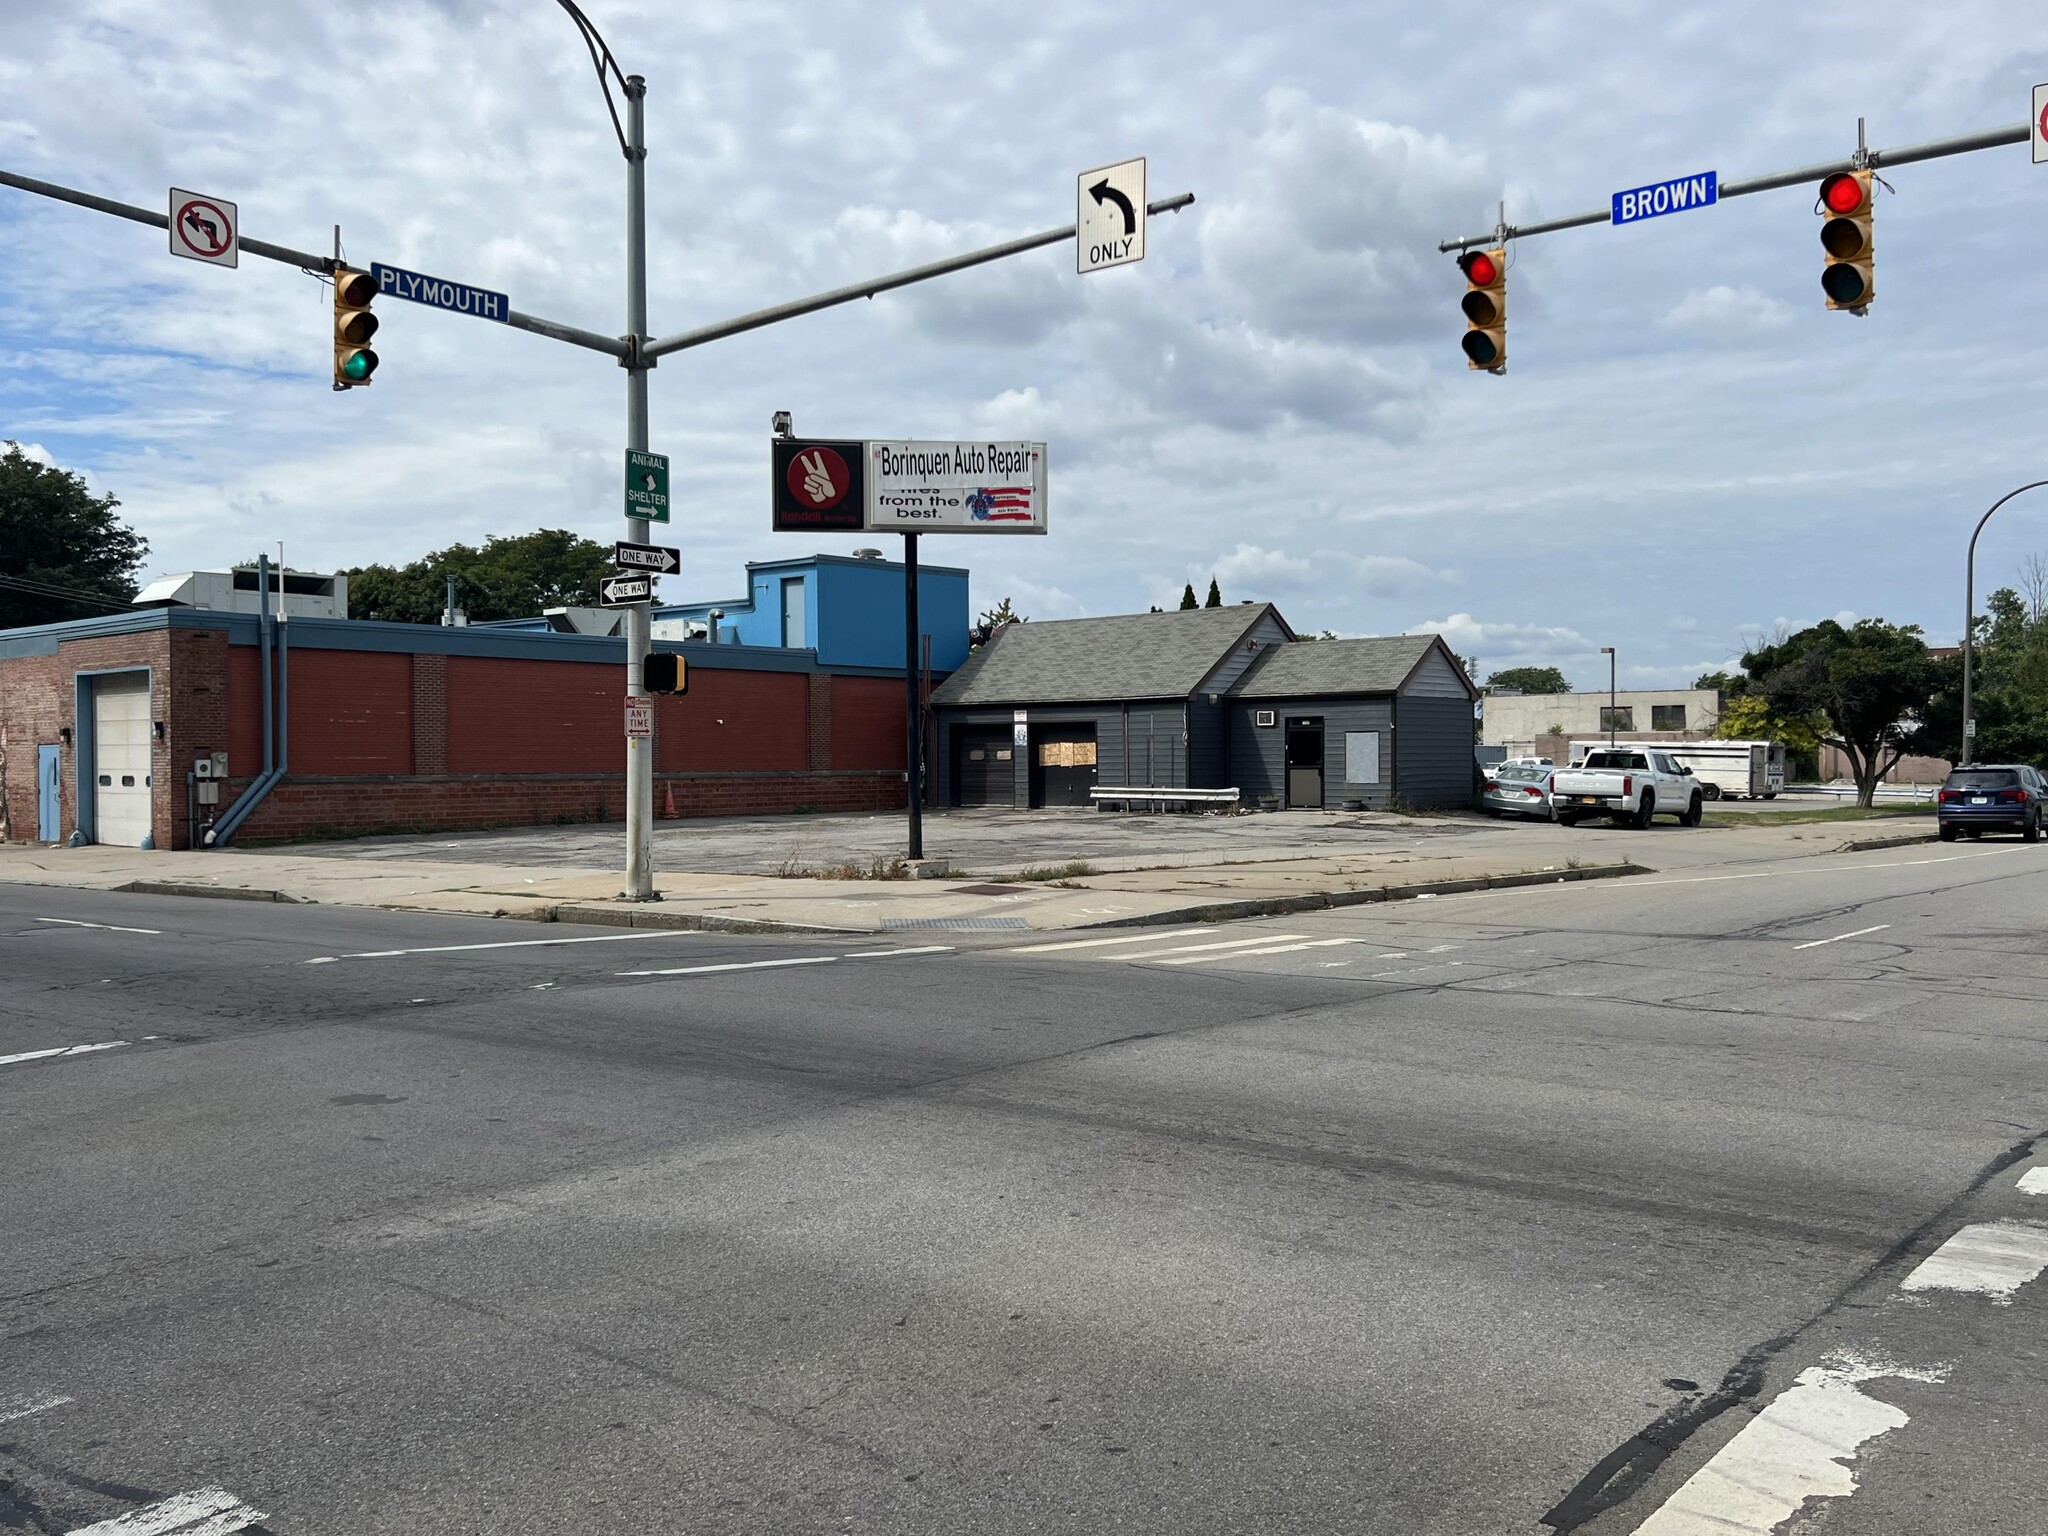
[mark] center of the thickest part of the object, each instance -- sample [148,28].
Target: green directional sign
[647,485]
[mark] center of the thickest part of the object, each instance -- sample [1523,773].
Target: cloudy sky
[1688,447]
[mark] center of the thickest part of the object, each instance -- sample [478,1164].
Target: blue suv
[2001,797]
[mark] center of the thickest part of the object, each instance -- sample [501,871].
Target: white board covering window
[1361,757]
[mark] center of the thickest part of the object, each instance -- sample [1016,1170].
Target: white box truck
[1727,770]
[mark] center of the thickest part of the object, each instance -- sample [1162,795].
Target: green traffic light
[359,365]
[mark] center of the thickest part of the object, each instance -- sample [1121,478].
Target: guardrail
[1159,798]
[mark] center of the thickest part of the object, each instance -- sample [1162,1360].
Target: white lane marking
[202,1512]
[1992,1258]
[1280,949]
[743,965]
[450,949]
[1416,970]
[1134,938]
[1442,949]
[1816,943]
[1189,949]
[2034,1182]
[1796,1449]
[60,1050]
[22,1407]
[72,922]
[886,954]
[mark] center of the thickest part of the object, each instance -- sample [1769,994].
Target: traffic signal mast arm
[306,260]
[1805,175]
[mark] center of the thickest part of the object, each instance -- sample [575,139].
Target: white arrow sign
[658,558]
[624,591]
[1109,221]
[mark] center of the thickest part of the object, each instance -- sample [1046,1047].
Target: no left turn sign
[205,229]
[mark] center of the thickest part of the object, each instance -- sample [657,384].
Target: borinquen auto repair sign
[956,487]
[820,487]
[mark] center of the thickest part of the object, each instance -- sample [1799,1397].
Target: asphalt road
[1604,1207]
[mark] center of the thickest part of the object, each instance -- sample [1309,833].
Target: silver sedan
[1517,789]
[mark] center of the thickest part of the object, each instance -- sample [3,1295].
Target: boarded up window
[1361,757]
[1066,754]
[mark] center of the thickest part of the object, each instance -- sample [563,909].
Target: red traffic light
[1843,192]
[1480,268]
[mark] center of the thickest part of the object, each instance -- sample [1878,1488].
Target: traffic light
[665,672]
[1486,309]
[1845,275]
[354,325]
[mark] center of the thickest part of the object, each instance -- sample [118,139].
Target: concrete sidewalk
[1397,859]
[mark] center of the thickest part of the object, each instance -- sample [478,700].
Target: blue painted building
[848,609]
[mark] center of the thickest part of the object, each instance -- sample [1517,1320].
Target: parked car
[1517,789]
[1628,784]
[2001,797]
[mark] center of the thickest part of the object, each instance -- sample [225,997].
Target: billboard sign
[819,486]
[916,487]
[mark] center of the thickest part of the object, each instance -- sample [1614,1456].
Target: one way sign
[658,558]
[625,591]
[1109,220]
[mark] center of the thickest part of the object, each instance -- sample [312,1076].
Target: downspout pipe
[275,722]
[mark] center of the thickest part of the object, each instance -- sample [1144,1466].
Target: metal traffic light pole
[1970,617]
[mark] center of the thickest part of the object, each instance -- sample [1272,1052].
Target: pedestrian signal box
[666,672]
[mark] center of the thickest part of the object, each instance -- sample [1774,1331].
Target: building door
[984,765]
[1062,764]
[793,634]
[120,759]
[1305,764]
[49,794]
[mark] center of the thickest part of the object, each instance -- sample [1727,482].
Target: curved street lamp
[1970,615]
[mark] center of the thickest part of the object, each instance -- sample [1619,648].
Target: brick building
[104,723]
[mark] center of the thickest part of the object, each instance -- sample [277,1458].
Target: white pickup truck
[1630,784]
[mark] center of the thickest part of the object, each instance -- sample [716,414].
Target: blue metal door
[49,795]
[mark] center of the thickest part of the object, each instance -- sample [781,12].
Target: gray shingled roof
[1080,661]
[1307,669]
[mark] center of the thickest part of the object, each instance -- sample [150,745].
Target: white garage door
[120,747]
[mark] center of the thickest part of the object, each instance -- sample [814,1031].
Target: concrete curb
[1870,844]
[1318,901]
[218,892]
[648,915]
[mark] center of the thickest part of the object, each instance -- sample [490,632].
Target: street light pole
[1970,615]
[639,749]
[1608,652]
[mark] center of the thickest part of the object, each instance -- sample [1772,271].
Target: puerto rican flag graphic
[1000,504]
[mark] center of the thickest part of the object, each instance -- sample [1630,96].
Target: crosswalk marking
[1187,949]
[202,1512]
[1278,949]
[1142,937]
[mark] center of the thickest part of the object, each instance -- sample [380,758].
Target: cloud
[1729,312]
[1249,571]
[1537,642]
[1397,575]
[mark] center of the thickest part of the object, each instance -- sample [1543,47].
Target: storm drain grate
[954,922]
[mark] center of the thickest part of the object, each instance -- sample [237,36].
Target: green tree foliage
[1751,718]
[1730,685]
[63,552]
[1874,684]
[1529,680]
[2009,682]
[1187,597]
[509,578]
[1003,613]
[1215,595]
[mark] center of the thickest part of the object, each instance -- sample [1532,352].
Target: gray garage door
[984,766]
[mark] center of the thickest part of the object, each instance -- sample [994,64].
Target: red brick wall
[818,716]
[351,712]
[245,702]
[734,721]
[508,716]
[430,714]
[38,698]
[867,722]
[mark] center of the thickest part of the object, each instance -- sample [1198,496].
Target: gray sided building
[1204,698]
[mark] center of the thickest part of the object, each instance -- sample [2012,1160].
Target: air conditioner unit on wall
[1265,717]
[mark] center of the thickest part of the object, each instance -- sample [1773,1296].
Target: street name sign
[624,591]
[440,292]
[915,487]
[818,485]
[658,558]
[647,485]
[205,229]
[639,718]
[1109,216]
[1677,195]
[2039,119]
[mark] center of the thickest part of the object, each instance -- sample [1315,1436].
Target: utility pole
[639,749]
[1612,711]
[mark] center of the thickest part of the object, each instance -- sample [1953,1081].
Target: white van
[1727,770]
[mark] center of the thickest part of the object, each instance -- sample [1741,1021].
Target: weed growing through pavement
[1054,874]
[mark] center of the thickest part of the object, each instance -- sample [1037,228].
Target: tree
[1528,680]
[1873,683]
[1215,595]
[1751,718]
[1187,597]
[1001,614]
[63,552]
[1730,685]
[509,578]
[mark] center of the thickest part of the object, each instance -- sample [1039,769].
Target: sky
[1688,449]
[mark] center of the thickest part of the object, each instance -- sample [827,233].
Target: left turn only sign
[205,229]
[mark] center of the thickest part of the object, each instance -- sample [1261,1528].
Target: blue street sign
[1661,197]
[439,292]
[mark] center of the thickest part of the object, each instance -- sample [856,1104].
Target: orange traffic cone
[668,801]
